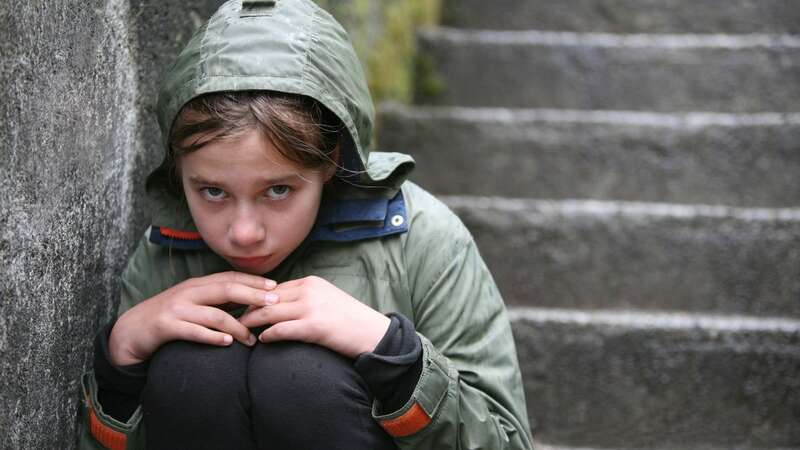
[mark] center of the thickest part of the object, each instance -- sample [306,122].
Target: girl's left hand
[313,310]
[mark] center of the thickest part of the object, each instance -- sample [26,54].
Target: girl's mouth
[253,262]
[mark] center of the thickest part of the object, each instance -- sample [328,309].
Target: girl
[294,291]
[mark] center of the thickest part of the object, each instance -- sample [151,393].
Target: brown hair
[302,130]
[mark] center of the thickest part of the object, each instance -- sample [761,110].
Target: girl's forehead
[249,157]
[246,148]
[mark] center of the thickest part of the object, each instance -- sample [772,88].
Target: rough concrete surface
[77,80]
[726,159]
[661,381]
[625,255]
[644,72]
[627,16]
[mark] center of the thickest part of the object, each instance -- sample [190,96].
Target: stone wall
[77,81]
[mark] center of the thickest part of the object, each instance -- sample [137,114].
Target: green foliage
[428,82]
[383,35]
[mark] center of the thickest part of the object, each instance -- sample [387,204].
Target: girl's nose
[246,231]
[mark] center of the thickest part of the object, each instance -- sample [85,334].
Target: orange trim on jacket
[105,435]
[179,234]
[409,423]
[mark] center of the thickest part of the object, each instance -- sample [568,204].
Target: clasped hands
[308,309]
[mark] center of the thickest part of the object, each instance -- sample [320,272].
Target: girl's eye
[213,193]
[278,192]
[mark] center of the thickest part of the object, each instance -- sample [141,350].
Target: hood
[290,46]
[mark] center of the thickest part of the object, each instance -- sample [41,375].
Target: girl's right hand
[188,311]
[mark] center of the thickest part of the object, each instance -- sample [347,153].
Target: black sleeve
[118,387]
[392,370]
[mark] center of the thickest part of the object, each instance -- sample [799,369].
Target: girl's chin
[251,271]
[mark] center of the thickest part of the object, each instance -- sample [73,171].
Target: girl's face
[251,205]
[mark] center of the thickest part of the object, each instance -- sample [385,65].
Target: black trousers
[286,395]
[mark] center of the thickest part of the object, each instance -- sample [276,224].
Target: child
[294,291]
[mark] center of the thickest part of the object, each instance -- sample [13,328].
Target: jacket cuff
[392,370]
[436,380]
[129,379]
[118,387]
[103,429]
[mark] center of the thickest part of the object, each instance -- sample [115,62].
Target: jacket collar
[348,220]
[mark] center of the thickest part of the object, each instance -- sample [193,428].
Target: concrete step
[647,256]
[611,379]
[627,16]
[731,159]
[535,69]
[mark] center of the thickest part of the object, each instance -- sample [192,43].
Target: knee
[300,376]
[306,396]
[184,373]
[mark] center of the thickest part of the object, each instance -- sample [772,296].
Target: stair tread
[684,119]
[737,16]
[578,207]
[667,320]
[627,40]
[652,256]
[647,72]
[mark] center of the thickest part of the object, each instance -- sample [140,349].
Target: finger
[292,330]
[293,290]
[219,320]
[187,331]
[305,281]
[280,312]
[290,293]
[293,283]
[228,291]
[250,308]
[254,281]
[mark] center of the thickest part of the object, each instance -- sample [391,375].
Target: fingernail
[251,340]
[270,284]
[271,298]
[227,339]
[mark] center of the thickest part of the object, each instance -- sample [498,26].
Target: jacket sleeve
[98,429]
[469,395]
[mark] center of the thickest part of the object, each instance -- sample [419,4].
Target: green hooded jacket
[383,240]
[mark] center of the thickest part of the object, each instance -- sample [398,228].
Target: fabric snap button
[397,220]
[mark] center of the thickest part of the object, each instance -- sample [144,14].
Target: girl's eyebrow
[199,179]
